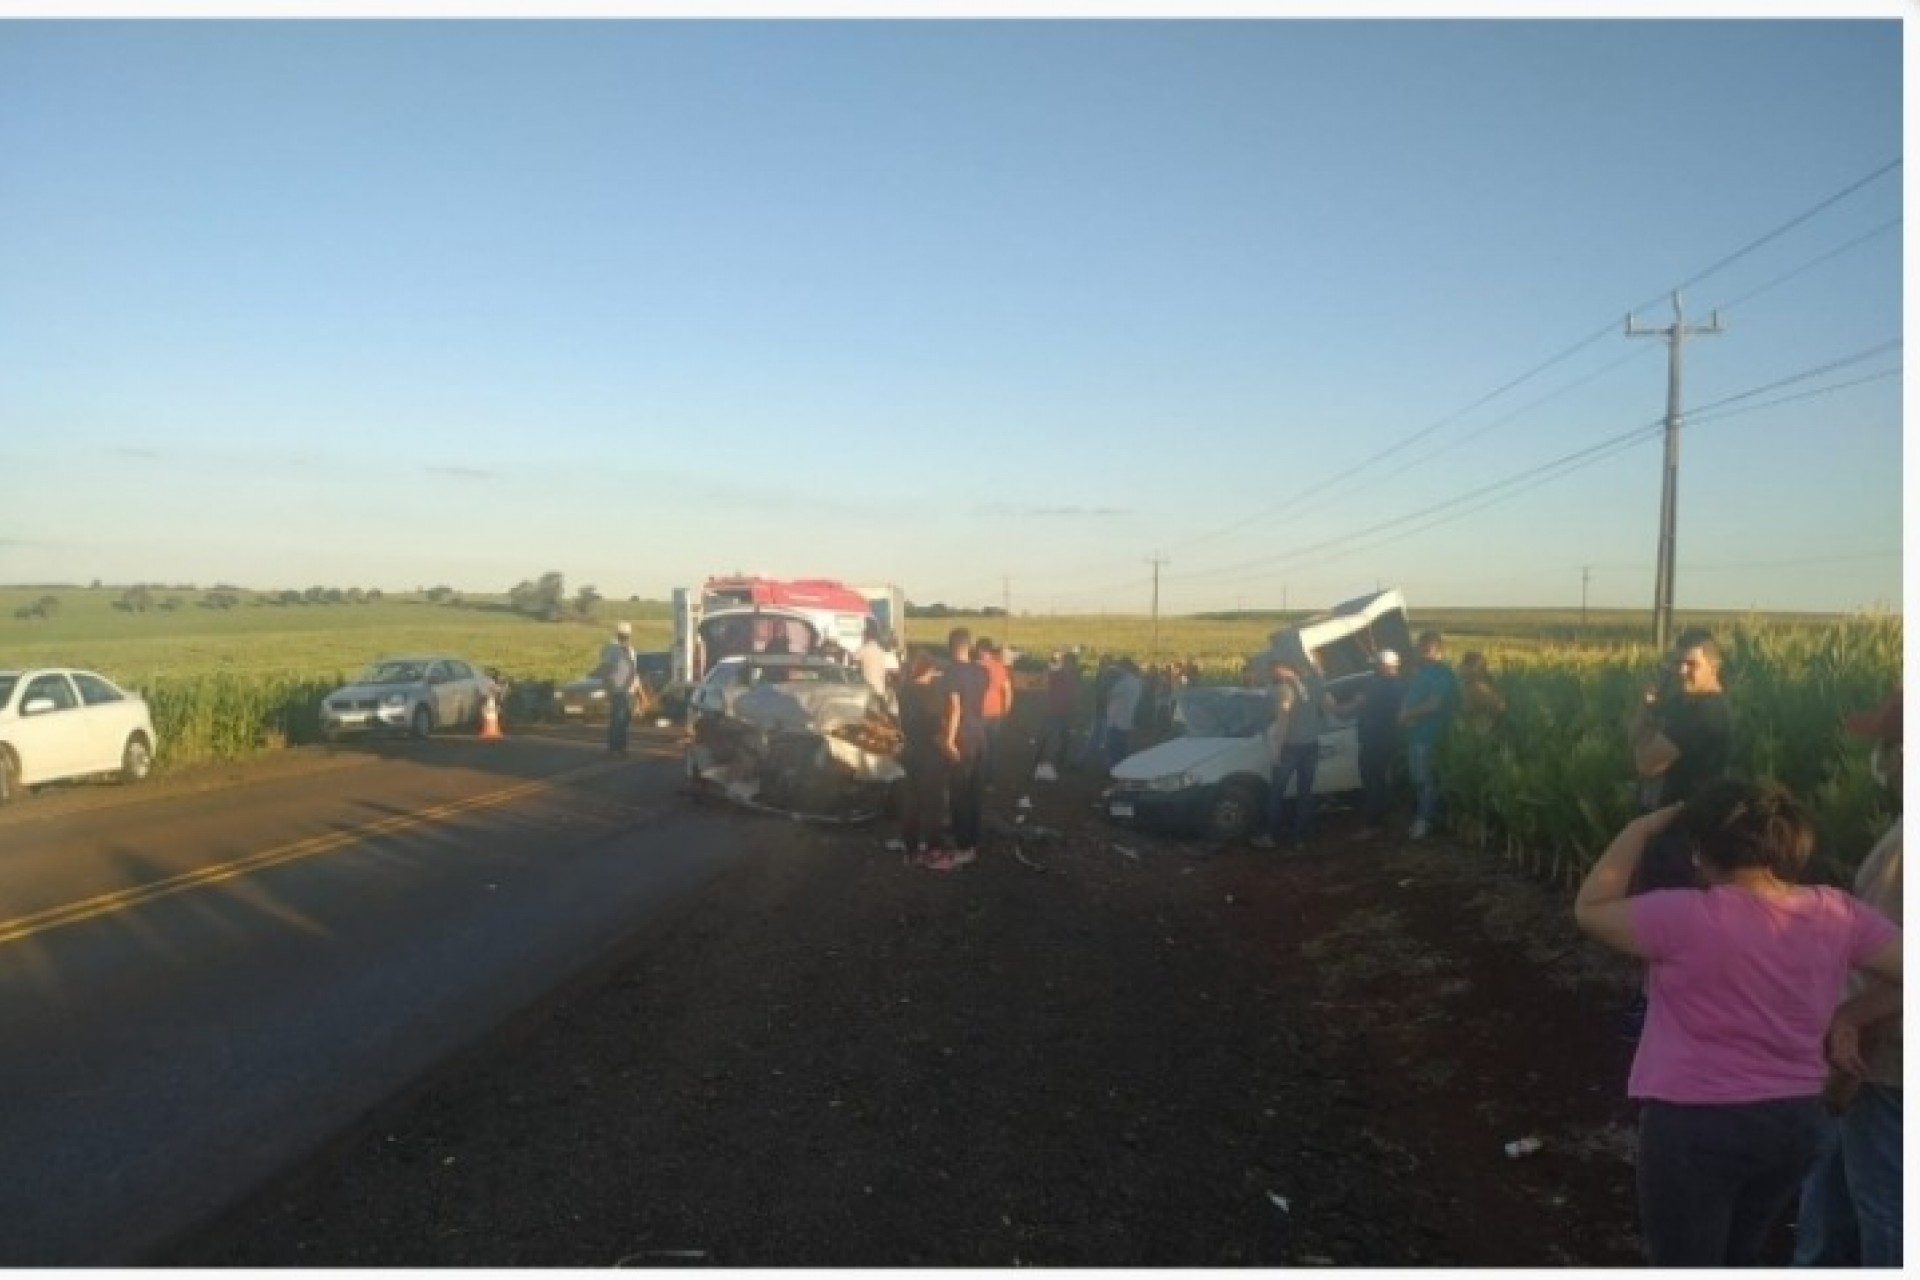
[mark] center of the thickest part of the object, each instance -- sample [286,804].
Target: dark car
[585,700]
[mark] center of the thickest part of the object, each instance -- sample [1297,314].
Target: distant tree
[290,596]
[334,595]
[356,596]
[136,599]
[439,595]
[375,595]
[584,600]
[49,606]
[552,597]
[173,602]
[316,595]
[95,586]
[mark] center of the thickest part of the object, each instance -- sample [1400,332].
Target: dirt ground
[1091,1048]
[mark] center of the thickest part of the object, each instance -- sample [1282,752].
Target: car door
[440,693]
[466,693]
[51,738]
[108,716]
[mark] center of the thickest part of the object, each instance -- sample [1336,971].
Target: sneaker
[1263,842]
[1418,831]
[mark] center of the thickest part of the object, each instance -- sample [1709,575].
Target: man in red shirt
[999,701]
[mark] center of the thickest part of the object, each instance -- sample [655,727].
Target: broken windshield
[1214,712]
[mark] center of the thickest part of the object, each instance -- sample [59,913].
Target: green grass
[313,640]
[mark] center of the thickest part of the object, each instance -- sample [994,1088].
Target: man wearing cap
[1376,713]
[1850,1204]
[618,671]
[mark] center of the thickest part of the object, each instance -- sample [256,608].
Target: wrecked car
[1213,777]
[792,734]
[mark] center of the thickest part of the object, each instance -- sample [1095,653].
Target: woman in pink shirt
[1743,980]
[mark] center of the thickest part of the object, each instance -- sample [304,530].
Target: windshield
[393,673]
[1222,713]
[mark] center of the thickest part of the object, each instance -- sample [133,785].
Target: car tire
[1236,813]
[10,788]
[136,759]
[422,721]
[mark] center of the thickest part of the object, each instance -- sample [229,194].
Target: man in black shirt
[1376,712]
[1683,734]
[963,740]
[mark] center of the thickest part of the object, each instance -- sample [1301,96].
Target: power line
[1580,458]
[1323,491]
[1551,361]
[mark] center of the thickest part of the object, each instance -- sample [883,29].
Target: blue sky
[998,310]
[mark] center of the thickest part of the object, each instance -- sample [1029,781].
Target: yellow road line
[121,900]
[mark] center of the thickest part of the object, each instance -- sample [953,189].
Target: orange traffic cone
[490,720]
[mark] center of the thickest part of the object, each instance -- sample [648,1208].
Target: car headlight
[394,700]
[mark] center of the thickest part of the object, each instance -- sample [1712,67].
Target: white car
[415,694]
[61,723]
[1214,777]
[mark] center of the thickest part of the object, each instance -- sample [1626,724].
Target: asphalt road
[205,978]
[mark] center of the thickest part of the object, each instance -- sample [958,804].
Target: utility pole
[1156,562]
[1006,607]
[1586,571]
[1676,335]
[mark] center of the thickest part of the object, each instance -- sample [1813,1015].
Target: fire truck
[738,615]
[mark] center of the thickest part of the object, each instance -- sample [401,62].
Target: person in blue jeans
[1851,1200]
[618,671]
[1294,738]
[1433,695]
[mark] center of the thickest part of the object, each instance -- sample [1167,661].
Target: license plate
[1121,809]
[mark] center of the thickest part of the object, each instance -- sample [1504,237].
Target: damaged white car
[792,734]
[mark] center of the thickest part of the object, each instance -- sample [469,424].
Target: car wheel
[136,760]
[1236,813]
[10,789]
[422,721]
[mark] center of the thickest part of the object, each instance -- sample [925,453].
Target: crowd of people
[1767,1063]
[1769,1067]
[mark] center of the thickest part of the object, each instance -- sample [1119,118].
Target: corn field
[1548,786]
